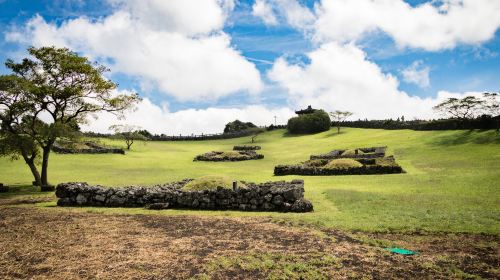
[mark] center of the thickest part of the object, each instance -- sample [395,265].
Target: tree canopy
[47,96]
[237,125]
[339,116]
[317,121]
[129,133]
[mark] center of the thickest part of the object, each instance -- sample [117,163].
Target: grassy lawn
[452,182]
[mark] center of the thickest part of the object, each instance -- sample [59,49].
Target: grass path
[452,182]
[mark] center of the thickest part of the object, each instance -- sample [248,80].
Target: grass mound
[352,152]
[343,163]
[211,182]
[231,154]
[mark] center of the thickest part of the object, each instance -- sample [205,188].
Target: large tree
[491,104]
[338,117]
[460,108]
[129,133]
[45,98]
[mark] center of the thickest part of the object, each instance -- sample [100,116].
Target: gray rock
[302,205]
[278,200]
[100,198]
[81,199]
[157,206]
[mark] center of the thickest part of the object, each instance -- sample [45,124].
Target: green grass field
[452,182]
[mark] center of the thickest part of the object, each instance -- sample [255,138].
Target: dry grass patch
[61,244]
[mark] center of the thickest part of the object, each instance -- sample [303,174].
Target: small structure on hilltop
[309,121]
[359,161]
[308,110]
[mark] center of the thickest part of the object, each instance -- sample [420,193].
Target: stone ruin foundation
[278,196]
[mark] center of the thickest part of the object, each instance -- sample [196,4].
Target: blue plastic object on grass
[401,251]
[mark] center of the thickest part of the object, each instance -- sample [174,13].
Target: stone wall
[246,148]
[299,169]
[372,152]
[229,156]
[93,148]
[271,196]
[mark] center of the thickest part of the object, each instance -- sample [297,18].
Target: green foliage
[343,163]
[147,135]
[211,182]
[237,125]
[460,108]
[338,117]
[60,84]
[317,121]
[129,133]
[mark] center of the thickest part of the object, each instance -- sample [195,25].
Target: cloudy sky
[201,63]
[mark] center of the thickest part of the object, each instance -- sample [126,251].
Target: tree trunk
[30,161]
[45,164]
[338,129]
[129,143]
[36,174]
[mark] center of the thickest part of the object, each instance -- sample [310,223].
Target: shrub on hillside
[237,125]
[317,121]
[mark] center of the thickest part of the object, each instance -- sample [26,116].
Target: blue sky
[466,63]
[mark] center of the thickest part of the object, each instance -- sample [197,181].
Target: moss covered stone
[211,183]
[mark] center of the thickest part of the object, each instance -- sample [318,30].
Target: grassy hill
[452,182]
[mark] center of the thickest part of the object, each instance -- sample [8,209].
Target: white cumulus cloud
[264,10]
[417,73]
[432,26]
[168,44]
[159,119]
[339,77]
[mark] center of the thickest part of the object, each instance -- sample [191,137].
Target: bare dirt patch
[59,244]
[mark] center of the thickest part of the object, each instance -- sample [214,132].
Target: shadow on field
[24,194]
[326,135]
[469,136]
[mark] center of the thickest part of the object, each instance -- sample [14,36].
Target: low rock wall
[300,169]
[271,196]
[93,149]
[224,156]
[372,152]
[246,148]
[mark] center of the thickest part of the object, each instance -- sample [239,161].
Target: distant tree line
[469,112]
[481,122]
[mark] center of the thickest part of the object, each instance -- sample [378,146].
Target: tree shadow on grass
[327,134]
[23,190]
[469,136]
[333,132]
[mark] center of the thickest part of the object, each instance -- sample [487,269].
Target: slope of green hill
[452,181]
